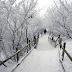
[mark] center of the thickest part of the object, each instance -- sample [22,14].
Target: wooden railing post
[37,37]
[34,41]
[60,42]
[17,55]
[29,45]
[64,46]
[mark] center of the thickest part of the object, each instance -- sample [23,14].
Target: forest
[19,21]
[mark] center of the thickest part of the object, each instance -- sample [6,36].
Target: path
[43,59]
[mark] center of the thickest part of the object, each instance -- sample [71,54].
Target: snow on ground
[10,66]
[43,59]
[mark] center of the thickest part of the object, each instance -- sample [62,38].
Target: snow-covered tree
[60,17]
[16,24]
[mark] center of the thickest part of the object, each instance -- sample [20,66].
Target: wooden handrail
[68,55]
[64,50]
[60,45]
[14,54]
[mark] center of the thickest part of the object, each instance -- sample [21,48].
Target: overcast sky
[48,3]
[44,4]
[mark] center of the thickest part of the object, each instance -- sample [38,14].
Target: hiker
[45,31]
[52,38]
